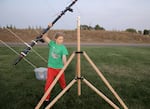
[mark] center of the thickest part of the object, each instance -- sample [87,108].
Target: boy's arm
[64,59]
[45,36]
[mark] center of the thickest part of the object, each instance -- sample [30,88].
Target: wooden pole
[78,57]
[54,82]
[61,94]
[105,81]
[100,94]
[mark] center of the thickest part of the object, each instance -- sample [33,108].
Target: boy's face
[59,40]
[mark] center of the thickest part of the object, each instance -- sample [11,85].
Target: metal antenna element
[26,44]
[39,38]
[18,53]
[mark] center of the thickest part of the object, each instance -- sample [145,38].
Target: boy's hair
[58,34]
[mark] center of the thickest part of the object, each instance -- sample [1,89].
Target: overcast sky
[110,14]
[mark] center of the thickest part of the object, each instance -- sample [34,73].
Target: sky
[110,14]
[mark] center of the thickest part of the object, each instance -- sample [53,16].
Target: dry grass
[87,36]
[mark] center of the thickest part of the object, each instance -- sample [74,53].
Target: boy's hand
[50,25]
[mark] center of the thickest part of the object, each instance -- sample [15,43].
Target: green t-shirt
[56,53]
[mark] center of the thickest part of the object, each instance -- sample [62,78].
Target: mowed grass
[126,68]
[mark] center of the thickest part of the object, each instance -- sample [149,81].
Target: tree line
[144,32]
[87,27]
[96,27]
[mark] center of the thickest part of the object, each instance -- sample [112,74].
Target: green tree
[131,30]
[9,26]
[97,27]
[146,32]
[86,27]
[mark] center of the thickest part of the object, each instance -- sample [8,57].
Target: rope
[26,44]
[37,31]
[17,53]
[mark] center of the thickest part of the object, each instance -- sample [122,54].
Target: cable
[17,53]
[26,44]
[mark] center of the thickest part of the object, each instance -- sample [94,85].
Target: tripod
[78,78]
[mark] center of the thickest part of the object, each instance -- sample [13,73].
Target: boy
[56,60]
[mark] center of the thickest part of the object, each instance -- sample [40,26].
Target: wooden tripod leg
[54,82]
[105,81]
[61,94]
[100,94]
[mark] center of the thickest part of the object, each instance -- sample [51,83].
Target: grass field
[126,68]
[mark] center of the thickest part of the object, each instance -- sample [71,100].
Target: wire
[18,54]
[37,31]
